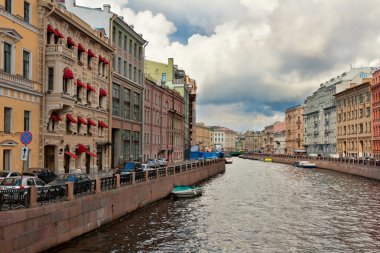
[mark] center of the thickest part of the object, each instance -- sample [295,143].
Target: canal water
[253,207]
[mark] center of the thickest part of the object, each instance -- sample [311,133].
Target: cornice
[19,21]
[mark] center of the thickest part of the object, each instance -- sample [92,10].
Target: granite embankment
[39,228]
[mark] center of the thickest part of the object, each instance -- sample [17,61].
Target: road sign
[24,154]
[26,137]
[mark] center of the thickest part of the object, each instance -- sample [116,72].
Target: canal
[253,207]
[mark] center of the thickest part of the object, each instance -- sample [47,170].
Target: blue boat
[305,164]
[182,191]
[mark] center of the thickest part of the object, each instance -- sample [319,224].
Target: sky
[252,59]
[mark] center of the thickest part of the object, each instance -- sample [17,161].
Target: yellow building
[354,120]
[203,136]
[294,130]
[20,83]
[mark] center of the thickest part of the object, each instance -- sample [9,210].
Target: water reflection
[254,207]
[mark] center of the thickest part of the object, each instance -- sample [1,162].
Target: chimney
[107,7]
[62,3]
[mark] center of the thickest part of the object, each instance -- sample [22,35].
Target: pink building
[163,123]
[375,88]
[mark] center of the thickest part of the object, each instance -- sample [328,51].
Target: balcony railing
[19,81]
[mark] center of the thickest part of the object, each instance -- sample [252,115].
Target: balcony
[59,50]
[18,81]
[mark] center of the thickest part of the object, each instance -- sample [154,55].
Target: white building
[224,138]
[320,112]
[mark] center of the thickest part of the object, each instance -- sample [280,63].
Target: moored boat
[305,164]
[228,159]
[183,191]
[267,159]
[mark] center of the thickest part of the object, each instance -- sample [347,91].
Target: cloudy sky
[252,59]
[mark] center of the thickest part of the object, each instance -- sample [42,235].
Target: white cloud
[260,56]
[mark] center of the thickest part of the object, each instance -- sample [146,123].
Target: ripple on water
[254,207]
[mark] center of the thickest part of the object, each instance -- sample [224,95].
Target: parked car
[6,174]
[70,177]
[162,162]
[144,166]
[153,163]
[44,174]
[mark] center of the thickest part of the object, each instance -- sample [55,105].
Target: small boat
[182,191]
[305,164]
[267,159]
[228,159]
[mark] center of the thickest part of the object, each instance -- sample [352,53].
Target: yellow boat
[267,159]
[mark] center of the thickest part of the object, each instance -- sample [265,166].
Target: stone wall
[40,228]
[350,168]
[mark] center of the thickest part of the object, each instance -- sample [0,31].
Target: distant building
[163,122]
[320,111]
[279,137]
[175,78]
[203,137]
[294,130]
[269,139]
[223,137]
[354,120]
[254,141]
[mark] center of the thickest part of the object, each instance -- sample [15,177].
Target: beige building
[20,83]
[76,83]
[203,137]
[223,137]
[269,139]
[354,120]
[254,141]
[294,130]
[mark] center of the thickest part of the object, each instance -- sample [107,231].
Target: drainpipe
[42,128]
[110,75]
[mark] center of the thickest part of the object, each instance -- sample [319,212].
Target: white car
[6,174]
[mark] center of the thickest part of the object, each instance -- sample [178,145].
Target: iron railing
[107,183]
[14,199]
[85,188]
[52,194]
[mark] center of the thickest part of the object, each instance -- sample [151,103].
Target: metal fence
[14,199]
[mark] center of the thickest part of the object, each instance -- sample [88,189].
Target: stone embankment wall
[350,168]
[40,228]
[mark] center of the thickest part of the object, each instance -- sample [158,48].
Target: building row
[77,79]
[340,119]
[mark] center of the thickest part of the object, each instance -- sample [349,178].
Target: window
[163,77]
[6,159]
[7,120]
[125,69]
[116,99]
[140,77]
[127,103]
[127,144]
[361,113]
[7,57]
[140,53]
[26,120]
[368,113]
[125,43]
[113,34]
[361,98]
[135,51]
[50,79]
[119,39]
[8,6]
[130,46]
[136,142]
[134,74]
[130,71]
[26,12]
[119,65]
[26,64]
[136,109]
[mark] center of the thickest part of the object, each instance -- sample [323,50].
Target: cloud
[254,58]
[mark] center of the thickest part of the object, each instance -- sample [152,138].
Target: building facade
[269,139]
[20,83]
[320,112]
[203,137]
[279,138]
[354,121]
[76,83]
[163,122]
[175,78]
[127,78]
[375,104]
[254,141]
[294,130]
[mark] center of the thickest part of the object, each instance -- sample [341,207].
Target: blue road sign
[26,137]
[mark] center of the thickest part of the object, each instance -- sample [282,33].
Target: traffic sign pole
[25,138]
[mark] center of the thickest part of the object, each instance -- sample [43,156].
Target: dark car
[44,174]
[70,177]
